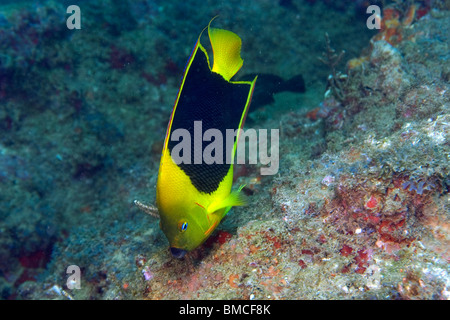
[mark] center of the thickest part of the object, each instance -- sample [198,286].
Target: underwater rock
[359,208]
[391,77]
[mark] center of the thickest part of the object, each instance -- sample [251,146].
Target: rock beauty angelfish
[193,196]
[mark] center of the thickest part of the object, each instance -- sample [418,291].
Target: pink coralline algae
[148,275]
[328,180]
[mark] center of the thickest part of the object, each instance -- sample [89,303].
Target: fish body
[193,196]
[270,84]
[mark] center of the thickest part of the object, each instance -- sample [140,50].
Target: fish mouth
[177,253]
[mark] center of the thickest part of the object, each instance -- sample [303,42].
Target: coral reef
[360,205]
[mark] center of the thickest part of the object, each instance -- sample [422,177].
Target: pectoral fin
[235,198]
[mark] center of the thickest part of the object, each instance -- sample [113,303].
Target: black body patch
[206,96]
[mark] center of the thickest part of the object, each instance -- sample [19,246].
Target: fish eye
[182,226]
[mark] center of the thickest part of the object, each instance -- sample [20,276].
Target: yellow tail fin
[226,47]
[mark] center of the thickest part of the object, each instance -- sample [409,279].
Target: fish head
[187,228]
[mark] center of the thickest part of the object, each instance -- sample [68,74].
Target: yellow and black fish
[193,196]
